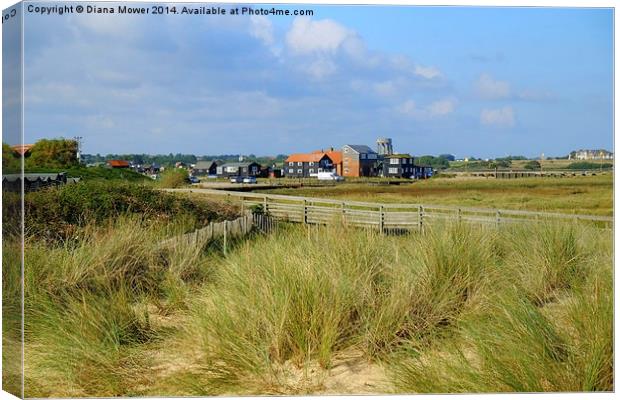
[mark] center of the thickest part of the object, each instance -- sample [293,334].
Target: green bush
[589,165]
[55,213]
[532,165]
[174,178]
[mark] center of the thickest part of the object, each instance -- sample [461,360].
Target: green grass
[581,195]
[460,308]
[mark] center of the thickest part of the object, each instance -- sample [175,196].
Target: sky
[469,81]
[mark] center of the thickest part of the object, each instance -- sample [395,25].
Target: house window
[311,163]
[372,156]
[291,164]
[393,170]
[291,170]
[363,156]
[393,160]
[299,163]
[311,170]
[299,171]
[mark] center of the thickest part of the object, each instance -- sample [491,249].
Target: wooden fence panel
[382,216]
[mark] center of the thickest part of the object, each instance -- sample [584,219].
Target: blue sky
[468,81]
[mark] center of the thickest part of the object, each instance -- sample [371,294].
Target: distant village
[350,161]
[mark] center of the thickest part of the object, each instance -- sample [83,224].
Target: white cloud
[321,68]
[426,72]
[490,88]
[503,117]
[262,29]
[442,107]
[325,36]
[435,109]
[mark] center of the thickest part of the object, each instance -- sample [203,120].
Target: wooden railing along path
[384,216]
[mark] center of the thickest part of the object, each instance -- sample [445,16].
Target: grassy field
[307,309]
[578,195]
[318,310]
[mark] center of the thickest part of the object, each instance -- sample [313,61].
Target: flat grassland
[574,195]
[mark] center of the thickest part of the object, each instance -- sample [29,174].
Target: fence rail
[225,230]
[384,216]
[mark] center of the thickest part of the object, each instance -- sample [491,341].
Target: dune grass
[444,312]
[87,305]
[460,308]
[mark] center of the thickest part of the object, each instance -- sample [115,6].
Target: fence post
[225,236]
[265,205]
[304,214]
[381,220]
[458,215]
[497,218]
[420,217]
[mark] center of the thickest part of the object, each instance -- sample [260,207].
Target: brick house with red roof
[303,165]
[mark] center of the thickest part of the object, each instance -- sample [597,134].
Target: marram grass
[460,308]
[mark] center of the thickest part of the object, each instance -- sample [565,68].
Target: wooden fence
[385,217]
[224,230]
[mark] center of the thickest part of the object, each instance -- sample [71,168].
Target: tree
[10,160]
[532,165]
[53,153]
[448,157]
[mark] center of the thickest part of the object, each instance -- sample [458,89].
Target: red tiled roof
[335,155]
[22,149]
[302,157]
[118,163]
[315,156]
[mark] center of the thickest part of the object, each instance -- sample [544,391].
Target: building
[384,146]
[242,169]
[206,167]
[335,156]
[306,165]
[22,149]
[422,171]
[398,166]
[35,181]
[117,164]
[591,155]
[359,160]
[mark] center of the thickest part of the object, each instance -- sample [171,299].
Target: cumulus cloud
[325,36]
[490,88]
[262,29]
[502,117]
[435,109]
[321,68]
[405,64]
[426,72]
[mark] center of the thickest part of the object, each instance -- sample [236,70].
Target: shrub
[589,165]
[174,178]
[55,213]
